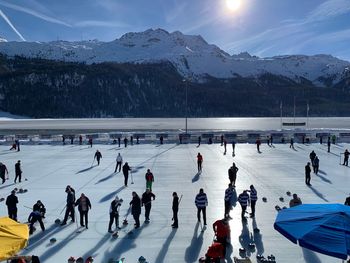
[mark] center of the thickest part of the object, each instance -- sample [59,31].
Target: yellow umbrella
[13,237]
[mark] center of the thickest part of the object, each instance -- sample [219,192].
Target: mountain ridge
[191,55]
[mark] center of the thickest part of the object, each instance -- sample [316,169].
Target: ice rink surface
[274,171]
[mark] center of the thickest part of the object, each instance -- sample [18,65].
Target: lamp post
[186,86]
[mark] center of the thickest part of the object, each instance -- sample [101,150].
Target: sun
[233,5]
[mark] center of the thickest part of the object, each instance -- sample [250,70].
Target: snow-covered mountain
[192,56]
[3,39]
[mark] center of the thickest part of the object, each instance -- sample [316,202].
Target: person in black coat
[232,174]
[11,202]
[18,171]
[84,206]
[147,202]
[346,157]
[114,214]
[347,201]
[126,169]
[175,210]
[98,156]
[307,173]
[39,206]
[69,206]
[3,171]
[136,208]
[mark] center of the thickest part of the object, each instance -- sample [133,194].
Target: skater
[33,218]
[199,141]
[119,142]
[291,143]
[136,208]
[71,139]
[119,161]
[199,162]
[90,141]
[329,144]
[258,143]
[307,173]
[295,201]
[84,206]
[39,206]
[18,146]
[243,199]
[233,147]
[18,171]
[271,140]
[131,140]
[321,139]
[175,208]
[114,214]
[161,139]
[149,179]
[253,198]
[125,142]
[201,202]
[222,139]
[70,201]
[11,203]
[225,146]
[346,157]
[63,140]
[228,196]
[146,201]
[303,139]
[98,156]
[180,138]
[232,174]
[316,165]
[126,169]
[13,147]
[137,139]
[80,140]
[3,171]
[312,156]
[222,232]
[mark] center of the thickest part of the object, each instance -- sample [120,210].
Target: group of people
[221,227]
[4,172]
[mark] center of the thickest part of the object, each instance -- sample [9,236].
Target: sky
[261,27]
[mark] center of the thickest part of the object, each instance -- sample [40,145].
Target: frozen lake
[168,124]
[275,171]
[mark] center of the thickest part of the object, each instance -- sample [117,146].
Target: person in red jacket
[199,162]
[149,179]
[215,253]
[222,231]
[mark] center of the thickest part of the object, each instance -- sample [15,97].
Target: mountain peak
[190,54]
[3,39]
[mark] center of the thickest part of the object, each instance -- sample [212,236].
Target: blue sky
[261,27]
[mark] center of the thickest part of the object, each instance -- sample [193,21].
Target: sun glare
[233,5]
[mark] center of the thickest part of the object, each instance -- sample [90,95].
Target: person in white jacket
[119,163]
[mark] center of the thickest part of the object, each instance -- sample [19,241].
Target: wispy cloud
[35,13]
[329,9]
[100,23]
[301,32]
[174,13]
[11,25]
